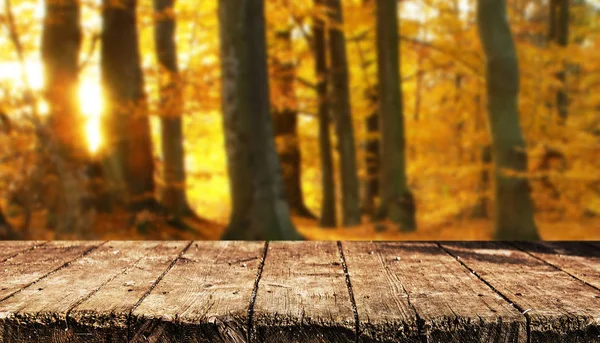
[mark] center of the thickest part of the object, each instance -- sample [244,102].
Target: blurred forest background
[135,119]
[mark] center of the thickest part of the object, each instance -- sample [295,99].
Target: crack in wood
[255,292]
[93,292]
[552,265]
[33,247]
[154,284]
[350,291]
[523,312]
[419,320]
[64,265]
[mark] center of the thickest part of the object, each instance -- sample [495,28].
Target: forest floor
[118,227]
[588,229]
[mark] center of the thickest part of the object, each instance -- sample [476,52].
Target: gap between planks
[261,267]
[503,296]
[154,284]
[350,291]
[53,271]
[22,251]
[553,265]
[259,271]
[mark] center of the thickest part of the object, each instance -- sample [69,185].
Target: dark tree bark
[61,44]
[342,112]
[513,217]
[483,156]
[259,207]
[129,164]
[328,203]
[6,231]
[372,154]
[372,150]
[173,193]
[397,202]
[285,117]
[66,146]
[559,34]
[3,221]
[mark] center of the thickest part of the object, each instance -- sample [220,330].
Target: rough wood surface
[559,308]
[392,281]
[10,249]
[384,309]
[203,298]
[578,259]
[299,292]
[104,317]
[302,295]
[28,267]
[42,310]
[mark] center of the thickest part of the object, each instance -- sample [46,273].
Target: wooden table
[175,291]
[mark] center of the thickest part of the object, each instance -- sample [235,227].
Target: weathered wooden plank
[384,310]
[578,259]
[40,312]
[104,316]
[391,281]
[302,295]
[10,249]
[203,298]
[27,268]
[559,308]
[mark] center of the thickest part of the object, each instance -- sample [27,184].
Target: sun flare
[90,99]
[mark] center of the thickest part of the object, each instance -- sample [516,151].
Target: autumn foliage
[449,165]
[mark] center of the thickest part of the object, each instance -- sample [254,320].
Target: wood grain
[32,265]
[392,281]
[559,308]
[578,259]
[299,292]
[104,317]
[302,295]
[9,249]
[204,298]
[42,309]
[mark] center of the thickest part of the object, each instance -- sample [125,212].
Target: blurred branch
[307,36]
[464,63]
[306,83]
[363,64]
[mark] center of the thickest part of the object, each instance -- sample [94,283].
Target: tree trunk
[3,221]
[285,117]
[513,217]
[328,215]
[173,193]
[129,164]
[483,156]
[372,154]
[460,125]
[61,43]
[66,148]
[259,207]
[343,116]
[397,202]
[6,230]
[559,34]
